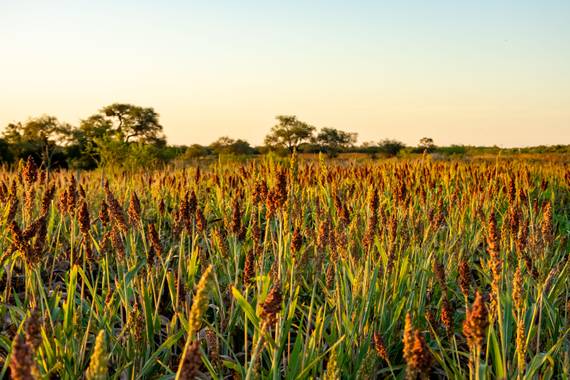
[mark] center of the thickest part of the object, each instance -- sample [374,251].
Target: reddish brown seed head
[464,277]
[83,218]
[154,240]
[447,315]
[296,240]
[546,226]
[476,322]
[249,269]
[191,362]
[379,346]
[29,172]
[271,306]
[416,352]
[134,209]
[21,360]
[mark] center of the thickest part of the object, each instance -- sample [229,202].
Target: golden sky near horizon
[475,74]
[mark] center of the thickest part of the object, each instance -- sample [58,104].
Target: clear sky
[466,72]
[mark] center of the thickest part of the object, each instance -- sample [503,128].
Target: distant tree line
[119,134]
[131,136]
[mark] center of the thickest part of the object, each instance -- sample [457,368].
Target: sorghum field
[287,269]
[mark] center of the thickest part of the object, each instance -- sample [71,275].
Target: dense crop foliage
[292,269]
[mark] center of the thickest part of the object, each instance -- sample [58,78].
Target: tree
[426,144]
[371,148]
[93,134]
[5,152]
[110,136]
[197,150]
[391,148]
[134,122]
[226,145]
[332,140]
[96,126]
[288,133]
[42,137]
[126,123]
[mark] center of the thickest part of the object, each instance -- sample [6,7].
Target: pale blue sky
[471,72]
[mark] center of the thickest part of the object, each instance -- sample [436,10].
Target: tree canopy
[42,138]
[390,147]
[288,133]
[226,145]
[131,136]
[332,140]
[127,123]
[426,144]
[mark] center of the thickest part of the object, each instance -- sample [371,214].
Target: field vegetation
[284,268]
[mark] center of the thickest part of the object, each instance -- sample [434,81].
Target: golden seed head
[98,365]
[379,346]
[546,227]
[416,352]
[447,315]
[200,302]
[420,357]
[332,370]
[518,289]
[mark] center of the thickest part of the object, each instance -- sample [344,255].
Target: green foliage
[130,123]
[352,249]
[42,138]
[333,140]
[196,151]
[457,150]
[129,156]
[129,137]
[229,146]
[426,144]
[390,148]
[288,133]
[6,155]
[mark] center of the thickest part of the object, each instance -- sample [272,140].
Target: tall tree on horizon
[333,140]
[109,135]
[288,133]
[130,123]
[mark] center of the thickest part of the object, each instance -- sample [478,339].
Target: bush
[390,148]
[458,150]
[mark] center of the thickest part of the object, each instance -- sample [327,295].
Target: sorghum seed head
[271,306]
[22,360]
[379,346]
[476,322]
[98,369]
